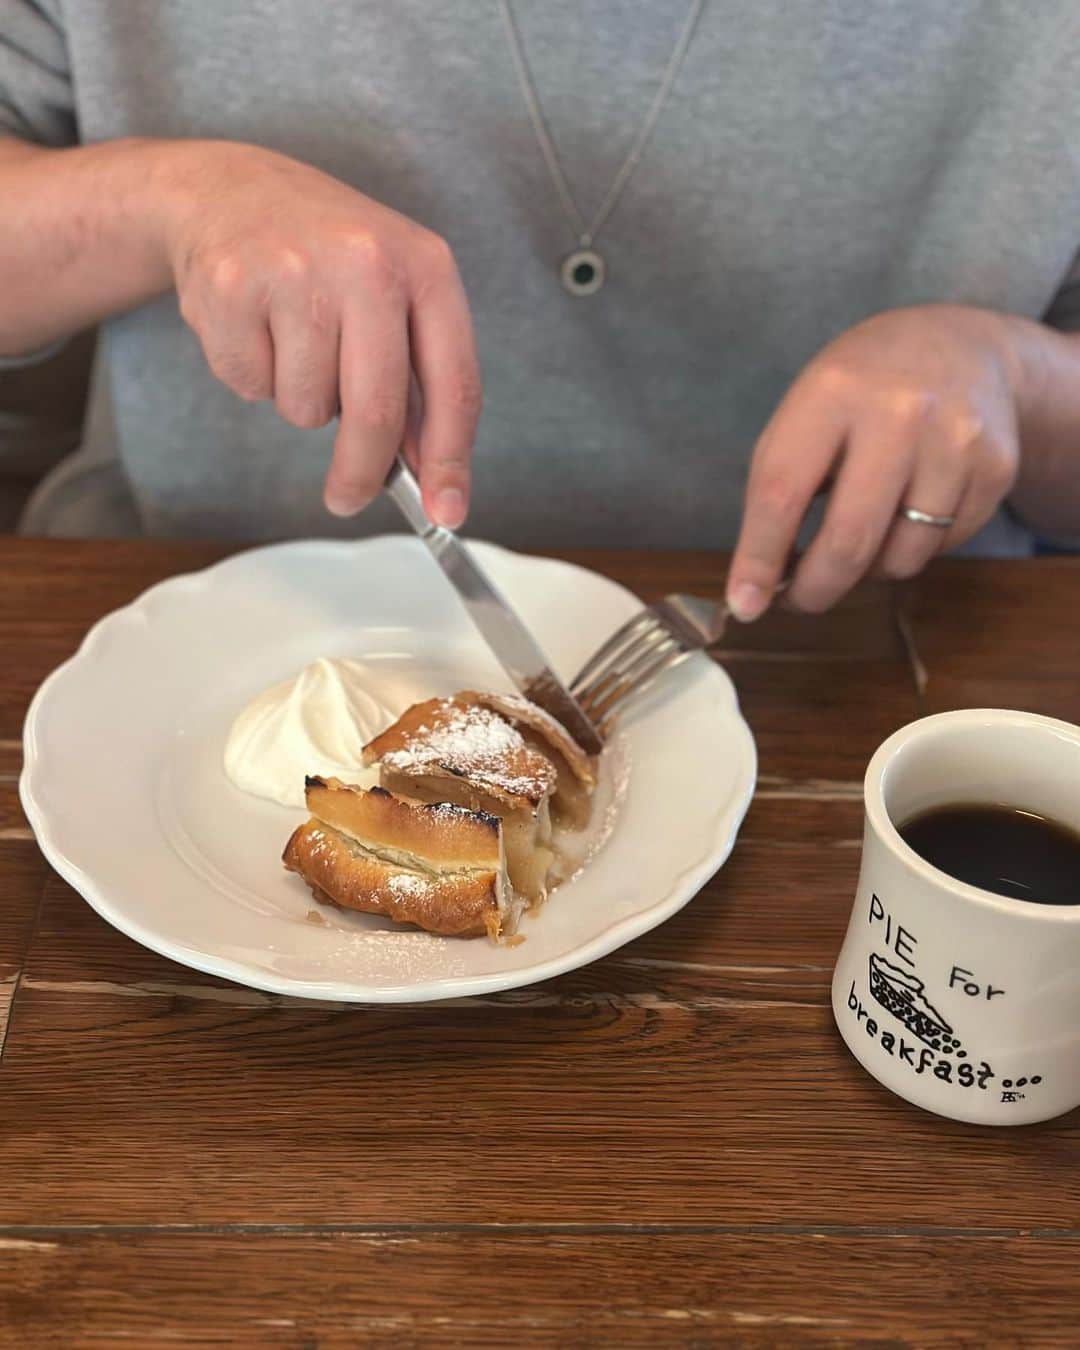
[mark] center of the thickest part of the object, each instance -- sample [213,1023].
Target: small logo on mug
[1010,1091]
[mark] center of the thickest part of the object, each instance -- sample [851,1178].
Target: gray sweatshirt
[818,160]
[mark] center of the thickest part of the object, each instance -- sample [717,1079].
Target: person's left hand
[914,407]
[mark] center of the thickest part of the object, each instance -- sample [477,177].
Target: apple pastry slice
[496,755]
[440,867]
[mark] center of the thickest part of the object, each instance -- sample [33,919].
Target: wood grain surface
[669,1147]
[559,1288]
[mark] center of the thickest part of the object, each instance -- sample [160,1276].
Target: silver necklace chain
[586,232]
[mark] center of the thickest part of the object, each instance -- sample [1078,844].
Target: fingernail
[450,508]
[339,503]
[747,601]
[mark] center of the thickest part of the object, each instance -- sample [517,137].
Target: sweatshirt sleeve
[36,102]
[1064,311]
[1064,315]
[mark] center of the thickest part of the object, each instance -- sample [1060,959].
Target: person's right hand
[304,291]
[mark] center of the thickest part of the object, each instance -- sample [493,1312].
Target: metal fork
[651,642]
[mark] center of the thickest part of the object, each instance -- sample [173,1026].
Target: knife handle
[403,488]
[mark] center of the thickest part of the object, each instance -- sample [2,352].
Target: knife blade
[517,650]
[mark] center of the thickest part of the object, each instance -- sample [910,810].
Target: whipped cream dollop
[317,723]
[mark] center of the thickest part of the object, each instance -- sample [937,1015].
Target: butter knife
[503,631]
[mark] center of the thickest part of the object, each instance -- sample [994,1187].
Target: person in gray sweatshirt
[705,261]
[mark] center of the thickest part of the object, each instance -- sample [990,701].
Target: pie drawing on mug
[903,994]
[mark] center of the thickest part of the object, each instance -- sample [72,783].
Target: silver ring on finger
[918,517]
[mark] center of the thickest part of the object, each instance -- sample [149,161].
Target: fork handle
[726,614]
[781,586]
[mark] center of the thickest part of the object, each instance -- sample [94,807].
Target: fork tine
[639,624]
[619,683]
[606,709]
[604,717]
[620,664]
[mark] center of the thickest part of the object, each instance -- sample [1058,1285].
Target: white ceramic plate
[124,786]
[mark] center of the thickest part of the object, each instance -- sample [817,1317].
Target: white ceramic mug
[964,1002]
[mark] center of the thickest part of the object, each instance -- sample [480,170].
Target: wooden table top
[671,1146]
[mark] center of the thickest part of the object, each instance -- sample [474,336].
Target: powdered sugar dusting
[519,708]
[409,884]
[477,744]
[319,845]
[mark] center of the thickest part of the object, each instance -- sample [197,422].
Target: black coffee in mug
[1000,849]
